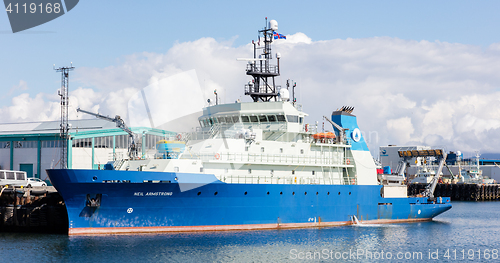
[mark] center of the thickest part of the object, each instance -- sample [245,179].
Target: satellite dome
[273,24]
[284,94]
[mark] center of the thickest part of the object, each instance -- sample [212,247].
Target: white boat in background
[474,175]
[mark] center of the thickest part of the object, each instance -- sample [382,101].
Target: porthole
[317,193]
[349,193]
[281,193]
[246,193]
[305,193]
[293,193]
[199,193]
[328,193]
[339,193]
[216,193]
[267,193]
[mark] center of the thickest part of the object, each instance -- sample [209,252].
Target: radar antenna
[263,86]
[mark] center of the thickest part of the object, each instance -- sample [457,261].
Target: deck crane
[120,123]
[438,154]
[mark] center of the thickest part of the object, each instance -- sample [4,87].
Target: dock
[38,209]
[461,192]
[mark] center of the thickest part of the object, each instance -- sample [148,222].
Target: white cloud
[401,128]
[404,91]
[21,86]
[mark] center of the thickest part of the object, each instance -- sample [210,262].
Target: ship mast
[263,86]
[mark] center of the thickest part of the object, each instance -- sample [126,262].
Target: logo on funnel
[26,14]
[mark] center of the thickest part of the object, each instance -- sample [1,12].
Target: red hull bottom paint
[167,229]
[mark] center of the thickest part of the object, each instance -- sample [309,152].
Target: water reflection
[466,226]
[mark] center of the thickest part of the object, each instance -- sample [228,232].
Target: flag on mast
[278,35]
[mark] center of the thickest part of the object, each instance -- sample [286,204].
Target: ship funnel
[345,119]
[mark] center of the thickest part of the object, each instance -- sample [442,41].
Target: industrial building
[34,147]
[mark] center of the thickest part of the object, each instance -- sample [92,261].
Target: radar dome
[284,94]
[273,24]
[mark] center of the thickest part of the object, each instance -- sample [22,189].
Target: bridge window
[301,119]
[245,119]
[221,120]
[271,118]
[281,118]
[229,120]
[262,118]
[236,119]
[254,119]
[292,118]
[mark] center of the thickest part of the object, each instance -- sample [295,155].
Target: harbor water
[470,231]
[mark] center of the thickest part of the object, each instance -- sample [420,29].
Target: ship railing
[234,130]
[297,106]
[251,89]
[248,179]
[262,68]
[334,159]
[245,179]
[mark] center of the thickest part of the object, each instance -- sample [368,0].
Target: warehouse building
[34,147]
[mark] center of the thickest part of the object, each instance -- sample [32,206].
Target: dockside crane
[120,123]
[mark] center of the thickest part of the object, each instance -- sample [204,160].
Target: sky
[417,72]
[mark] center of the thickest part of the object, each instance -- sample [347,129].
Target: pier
[39,209]
[461,192]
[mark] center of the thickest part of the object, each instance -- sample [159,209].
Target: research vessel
[249,165]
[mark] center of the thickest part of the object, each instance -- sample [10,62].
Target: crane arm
[338,127]
[429,190]
[118,120]
[120,123]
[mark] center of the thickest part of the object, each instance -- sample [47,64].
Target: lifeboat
[330,135]
[319,135]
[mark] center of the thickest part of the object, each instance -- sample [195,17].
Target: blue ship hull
[109,201]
